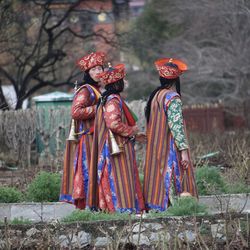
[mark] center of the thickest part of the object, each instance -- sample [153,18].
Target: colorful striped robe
[77,157]
[114,179]
[162,164]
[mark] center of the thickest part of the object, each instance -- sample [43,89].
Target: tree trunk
[19,104]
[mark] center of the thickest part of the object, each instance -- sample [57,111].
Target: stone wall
[209,232]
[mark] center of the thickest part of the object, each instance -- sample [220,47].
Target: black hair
[114,88]
[165,84]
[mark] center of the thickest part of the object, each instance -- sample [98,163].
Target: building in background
[136,7]
[90,17]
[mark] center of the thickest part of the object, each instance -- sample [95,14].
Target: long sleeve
[175,122]
[112,116]
[82,107]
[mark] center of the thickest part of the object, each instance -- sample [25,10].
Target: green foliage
[45,187]
[10,195]
[20,221]
[150,31]
[183,206]
[87,215]
[186,206]
[237,188]
[209,181]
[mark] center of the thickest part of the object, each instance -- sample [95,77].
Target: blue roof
[54,96]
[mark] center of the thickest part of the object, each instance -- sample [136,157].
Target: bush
[186,206]
[10,195]
[45,187]
[209,181]
[183,206]
[237,188]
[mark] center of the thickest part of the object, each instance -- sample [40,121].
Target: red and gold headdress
[113,74]
[170,68]
[91,60]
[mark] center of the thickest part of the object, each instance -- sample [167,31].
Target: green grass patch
[183,206]
[17,221]
[237,188]
[87,215]
[20,221]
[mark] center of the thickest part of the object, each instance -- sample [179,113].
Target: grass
[87,215]
[18,221]
[183,206]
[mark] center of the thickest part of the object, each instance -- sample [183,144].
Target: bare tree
[213,37]
[40,44]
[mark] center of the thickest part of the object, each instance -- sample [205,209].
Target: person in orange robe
[75,178]
[114,184]
[167,165]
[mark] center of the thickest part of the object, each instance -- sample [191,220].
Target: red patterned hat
[91,60]
[113,74]
[170,68]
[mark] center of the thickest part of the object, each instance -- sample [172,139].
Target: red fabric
[78,191]
[170,72]
[113,118]
[105,194]
[82,107]
[129,116]
[113,75]
[91,60]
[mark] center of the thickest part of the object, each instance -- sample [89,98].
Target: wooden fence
[35,137]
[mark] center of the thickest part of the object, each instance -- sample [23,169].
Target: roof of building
[54,96]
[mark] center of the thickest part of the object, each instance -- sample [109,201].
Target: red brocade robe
[114,179]
[77,157]
[162,165]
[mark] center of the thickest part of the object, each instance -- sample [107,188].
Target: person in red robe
[76,171]
[114,184]
[167,166]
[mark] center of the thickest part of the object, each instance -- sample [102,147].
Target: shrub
[209,181]
[186,206]
[183,206]
[10,195]
[237,188]
[45,187]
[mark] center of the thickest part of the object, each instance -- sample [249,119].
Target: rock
[217,229]
[187,235]
[137,228]
[143,239]
[102,241]
[31,232]
[113,228]
[2,244]
[154,226]
[160,236]
[81,240]
[63,241]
